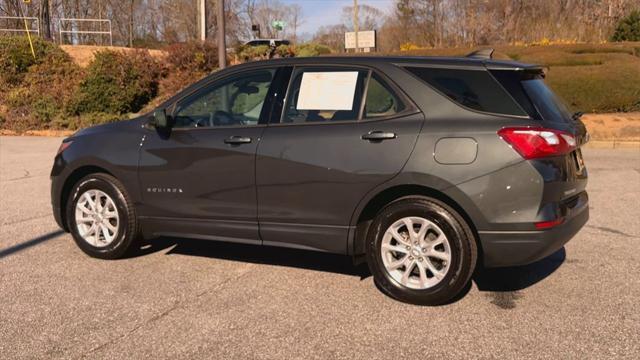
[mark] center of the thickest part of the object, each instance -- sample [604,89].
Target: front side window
[474,89]
[380,101]
[235,102]
[318,95]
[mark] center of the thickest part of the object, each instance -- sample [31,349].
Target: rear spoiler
[487,54]
[481,54]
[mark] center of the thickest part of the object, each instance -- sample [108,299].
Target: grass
[595,78]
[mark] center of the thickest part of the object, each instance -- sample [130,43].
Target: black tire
[128,229]
[462,243]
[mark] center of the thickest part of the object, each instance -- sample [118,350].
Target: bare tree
[369,17]
[331,36]
[295,21]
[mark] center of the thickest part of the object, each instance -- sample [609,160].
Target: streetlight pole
[222,44]
[355,22]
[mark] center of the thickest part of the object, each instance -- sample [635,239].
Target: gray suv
[423,167]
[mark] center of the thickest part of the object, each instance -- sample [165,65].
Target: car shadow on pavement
[269,255]
[501,283]
[518,277]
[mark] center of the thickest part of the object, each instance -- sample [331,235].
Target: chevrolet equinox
[421,166]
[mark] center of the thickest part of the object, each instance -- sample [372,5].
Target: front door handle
[378,136]
[236,140]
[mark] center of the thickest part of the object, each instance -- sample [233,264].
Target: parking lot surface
[179,298]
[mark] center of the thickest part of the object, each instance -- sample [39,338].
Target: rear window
[533,94]
[474,89]
[549,105]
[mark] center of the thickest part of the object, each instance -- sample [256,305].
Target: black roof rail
[481,54]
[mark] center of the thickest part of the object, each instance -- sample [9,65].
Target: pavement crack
[164,313]
[611,231]
[26,175]
[25,220]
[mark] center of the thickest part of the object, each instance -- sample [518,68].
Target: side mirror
[160,119]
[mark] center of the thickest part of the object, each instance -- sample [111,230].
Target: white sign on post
[327,90]
[366,39]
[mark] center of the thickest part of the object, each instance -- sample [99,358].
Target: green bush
[628,28]
[252,53]
[285,51]
[45,108]
[43,90]
[117,83]
[602,50]
[312,49]
[16,57]
[192,56]
[84,120]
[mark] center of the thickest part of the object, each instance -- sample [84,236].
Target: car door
[199,179]
[343,131]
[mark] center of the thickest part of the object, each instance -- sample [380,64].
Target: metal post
[202,19]
[355,22]
[222,44]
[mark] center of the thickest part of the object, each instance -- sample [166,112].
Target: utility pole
[131,23]
[45,19]
[222,44]
[202,19]
[355,22]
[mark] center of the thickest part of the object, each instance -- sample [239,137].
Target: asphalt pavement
[180,298]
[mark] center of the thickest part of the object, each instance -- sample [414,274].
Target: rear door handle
[378,136]
[236,140]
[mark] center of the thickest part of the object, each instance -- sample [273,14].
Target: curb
[613,144]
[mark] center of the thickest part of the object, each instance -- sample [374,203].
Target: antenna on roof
[481,54]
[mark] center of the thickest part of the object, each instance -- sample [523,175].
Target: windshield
[549,105]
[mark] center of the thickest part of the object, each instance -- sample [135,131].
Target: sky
[317,13]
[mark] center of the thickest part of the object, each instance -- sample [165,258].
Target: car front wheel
[101,217]
[421,251]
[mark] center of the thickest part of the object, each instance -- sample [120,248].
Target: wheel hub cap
[97,218]
[416,252]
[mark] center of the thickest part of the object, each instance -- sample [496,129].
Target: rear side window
[380,101]
[474,89]
[323,94]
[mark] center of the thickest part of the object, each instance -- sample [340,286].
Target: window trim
[292,78]
[405,67]
[216,80]
[409,106]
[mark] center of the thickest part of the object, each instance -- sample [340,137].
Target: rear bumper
[513,248]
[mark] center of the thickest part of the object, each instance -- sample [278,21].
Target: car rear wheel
[101,217]
[421,251]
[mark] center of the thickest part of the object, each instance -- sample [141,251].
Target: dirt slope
[83,54]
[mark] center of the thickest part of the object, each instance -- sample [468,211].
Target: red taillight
[63,147]
[549,224]
[538,142]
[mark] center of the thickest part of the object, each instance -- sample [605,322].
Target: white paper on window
[327,90]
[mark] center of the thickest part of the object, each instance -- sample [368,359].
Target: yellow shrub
[411,46]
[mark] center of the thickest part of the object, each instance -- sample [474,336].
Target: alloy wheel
[416,252]
[97,218]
